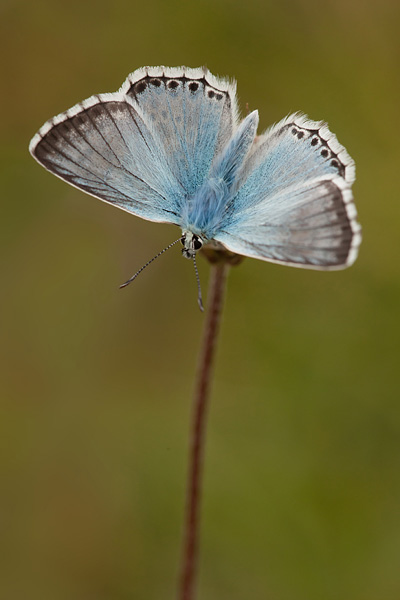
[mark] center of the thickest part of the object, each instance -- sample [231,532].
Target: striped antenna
[199,298]
[148,263]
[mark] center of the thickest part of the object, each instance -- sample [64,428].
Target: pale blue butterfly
[169,147]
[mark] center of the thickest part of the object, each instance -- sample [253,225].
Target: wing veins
[69,159]
[287,245]
[93,122]
[99,180]
[178,135]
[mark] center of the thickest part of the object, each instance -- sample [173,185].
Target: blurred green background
[302,481]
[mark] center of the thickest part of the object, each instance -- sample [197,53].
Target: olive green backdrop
[302,481]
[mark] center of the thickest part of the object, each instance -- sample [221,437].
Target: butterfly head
[191,243]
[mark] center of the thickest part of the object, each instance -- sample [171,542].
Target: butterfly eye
[197,243]
[183,240]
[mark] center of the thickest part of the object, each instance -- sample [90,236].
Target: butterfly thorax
[205,211]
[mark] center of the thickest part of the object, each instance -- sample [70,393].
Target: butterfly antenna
[148,263]
[199,298]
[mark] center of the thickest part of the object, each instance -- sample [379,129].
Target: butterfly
[169,147]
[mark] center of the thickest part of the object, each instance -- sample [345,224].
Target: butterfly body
[169,147]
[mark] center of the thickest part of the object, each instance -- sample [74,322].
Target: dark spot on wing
[140,87]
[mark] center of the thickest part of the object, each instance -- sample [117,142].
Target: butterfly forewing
[104,147]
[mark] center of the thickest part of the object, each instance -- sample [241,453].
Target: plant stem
[198,426]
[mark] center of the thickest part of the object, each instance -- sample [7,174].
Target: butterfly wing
[194,113]
[104,147]
[293,202]
[146,147]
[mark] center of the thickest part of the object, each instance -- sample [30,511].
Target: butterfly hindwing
[293,202]
[194,113]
